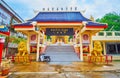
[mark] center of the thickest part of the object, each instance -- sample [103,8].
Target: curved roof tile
[59,17]
[24,24]
[95,24]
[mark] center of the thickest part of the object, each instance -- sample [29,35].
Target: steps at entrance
[59,49]
[61,54]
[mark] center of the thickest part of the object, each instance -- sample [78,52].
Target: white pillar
[43,37]
[38,42]
[81,48]
[104,48]
[28,43]
[91,44]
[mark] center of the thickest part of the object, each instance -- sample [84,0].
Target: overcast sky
[96,8]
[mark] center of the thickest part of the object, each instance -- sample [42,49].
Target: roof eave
[96,26]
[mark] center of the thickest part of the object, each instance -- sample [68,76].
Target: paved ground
[75,66]
[74,70]
[68,75]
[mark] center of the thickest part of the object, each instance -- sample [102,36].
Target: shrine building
[62,28]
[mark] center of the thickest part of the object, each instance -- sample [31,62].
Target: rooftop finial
[52,9]
[43,9]
[66,8]
[61,9]
[75,8]
[92,18]
[48,9]
[71,8]
[57,9]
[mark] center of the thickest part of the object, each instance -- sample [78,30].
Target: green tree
[113,21]
[18,40]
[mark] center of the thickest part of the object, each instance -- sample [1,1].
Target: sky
[97,8]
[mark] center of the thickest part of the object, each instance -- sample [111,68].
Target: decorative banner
[33,48]
[33,38]
[85,49]
[59,31]
[85,38]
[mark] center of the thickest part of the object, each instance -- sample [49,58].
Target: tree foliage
[113,21]
[16,40]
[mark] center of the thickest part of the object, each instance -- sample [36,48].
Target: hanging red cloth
[2,40]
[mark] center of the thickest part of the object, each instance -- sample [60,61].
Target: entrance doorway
[60,39]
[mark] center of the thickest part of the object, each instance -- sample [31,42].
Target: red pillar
[2,40]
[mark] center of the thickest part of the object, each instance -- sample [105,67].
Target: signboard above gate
[59,31]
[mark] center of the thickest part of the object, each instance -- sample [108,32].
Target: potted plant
[5,68]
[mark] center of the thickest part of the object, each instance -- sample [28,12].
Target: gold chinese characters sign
[59,31]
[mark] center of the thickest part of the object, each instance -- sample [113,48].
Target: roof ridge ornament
[60,9]
[34,23]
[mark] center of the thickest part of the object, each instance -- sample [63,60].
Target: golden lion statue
[22,49]
[22,55]
[97,50]
[96,54]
